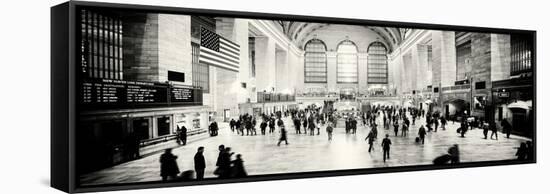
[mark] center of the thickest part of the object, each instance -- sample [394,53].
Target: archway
[456,109]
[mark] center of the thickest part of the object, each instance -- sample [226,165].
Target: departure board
[122,92]
[180,94]
[103,93]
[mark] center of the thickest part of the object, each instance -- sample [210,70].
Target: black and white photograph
[167,97]
[274,96]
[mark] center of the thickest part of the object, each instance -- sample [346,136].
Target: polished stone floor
[306,153]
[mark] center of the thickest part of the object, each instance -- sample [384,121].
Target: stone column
[281,68]
[265,64]
[363,74]
[500,57]
[423,80]
[444,58]
[481,69]
[331,71]
[407,72]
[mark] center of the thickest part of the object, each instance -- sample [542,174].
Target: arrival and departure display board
[131,93]
[181,94]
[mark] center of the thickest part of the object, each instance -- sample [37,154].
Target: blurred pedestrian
[168,165]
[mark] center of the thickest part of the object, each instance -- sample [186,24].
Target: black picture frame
[64,87]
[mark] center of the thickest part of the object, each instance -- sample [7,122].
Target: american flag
[218,51]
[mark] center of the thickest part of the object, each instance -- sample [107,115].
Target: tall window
[430,57]
[200,70]
[521,49]
[315,62]
[347,62]
[252,56]
[463,55]
[377,64]
[101,45]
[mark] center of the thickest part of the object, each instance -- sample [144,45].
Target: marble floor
[306,153]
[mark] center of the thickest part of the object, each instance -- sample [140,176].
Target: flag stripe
[217,64]
[229,43]
[207,52]
[224,48]
[231,55]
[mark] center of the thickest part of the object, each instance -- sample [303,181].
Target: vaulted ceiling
[298,31]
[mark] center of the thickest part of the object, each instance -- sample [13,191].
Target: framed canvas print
[146,96]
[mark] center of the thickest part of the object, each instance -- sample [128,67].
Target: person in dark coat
[493,128]
[442,160]
[443,122]
[354,126]
[404,129]
[454,153]
[213,128]
[396,127]
[219,161]
[280,122]
[248,126]
[329,130]
[297,125]
[304,124]
[386,143]
[225,163]
[370,139]
[463,128]
[263,126]
[436,123]
[238,167]
[183,135]
[348,123]
[530,151]
[271,125]
[232,125]
[311,125]
[422,133]
[485,130]
[200,163]
[168,165]
[522,151]
[506,127]
[238,127]
[254,126]
[283,136]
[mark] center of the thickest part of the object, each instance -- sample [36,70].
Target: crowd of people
[309,122]
[225,166]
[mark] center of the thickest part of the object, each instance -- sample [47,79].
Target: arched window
[315,62]
[347,62]
[377,71]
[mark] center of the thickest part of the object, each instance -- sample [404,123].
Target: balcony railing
[275,97]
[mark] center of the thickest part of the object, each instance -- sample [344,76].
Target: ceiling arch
[298,31]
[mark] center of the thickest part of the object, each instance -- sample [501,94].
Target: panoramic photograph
[171,97]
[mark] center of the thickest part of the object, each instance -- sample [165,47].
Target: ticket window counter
[141,128]
[163,126]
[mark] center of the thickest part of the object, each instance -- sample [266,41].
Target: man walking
[396,127]
[200,163]
[329,131]
[283,136]
[493,128]
[386,143]
[422,133]
[370,140]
